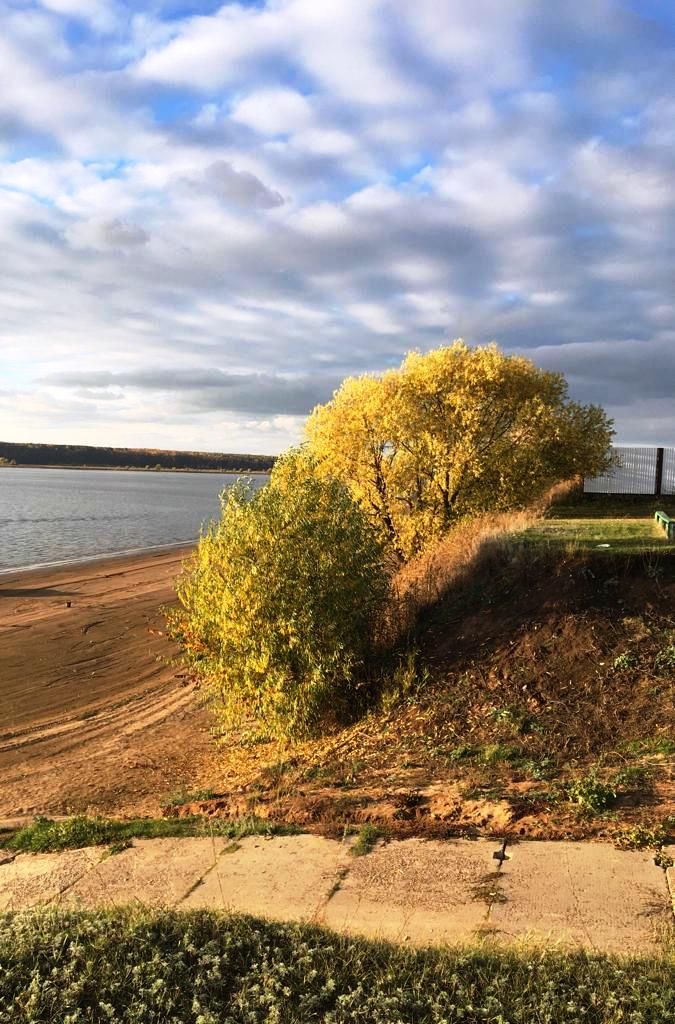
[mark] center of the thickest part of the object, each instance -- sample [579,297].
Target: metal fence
[640,470]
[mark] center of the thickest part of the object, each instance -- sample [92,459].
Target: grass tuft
[365,841]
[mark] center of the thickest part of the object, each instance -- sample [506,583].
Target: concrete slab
[417,891]
[155,872]
[288,878]
[586,894]
[33,879]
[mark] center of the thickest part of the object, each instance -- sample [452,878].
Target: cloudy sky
[211,214]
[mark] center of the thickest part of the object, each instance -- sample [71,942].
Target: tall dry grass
[468,548]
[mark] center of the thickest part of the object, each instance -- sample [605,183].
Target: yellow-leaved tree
[454,432]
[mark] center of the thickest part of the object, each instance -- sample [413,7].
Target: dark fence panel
[635,473]
[668,480]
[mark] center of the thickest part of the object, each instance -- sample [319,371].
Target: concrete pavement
[412,891]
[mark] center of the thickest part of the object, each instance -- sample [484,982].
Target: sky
[210,215]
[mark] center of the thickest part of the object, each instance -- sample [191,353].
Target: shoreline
[99,560]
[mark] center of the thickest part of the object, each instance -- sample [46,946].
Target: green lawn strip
[45,835]
[616,536]
[133,966]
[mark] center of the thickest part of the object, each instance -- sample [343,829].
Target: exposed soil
[529,678]
[94,716]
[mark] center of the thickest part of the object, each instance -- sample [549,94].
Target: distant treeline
[130,458]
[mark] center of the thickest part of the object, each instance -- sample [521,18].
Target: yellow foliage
[279,603]
[453,432]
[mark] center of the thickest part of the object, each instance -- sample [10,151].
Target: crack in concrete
[340,873]
[191,888]
[500,856]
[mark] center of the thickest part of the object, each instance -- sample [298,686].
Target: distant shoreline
[149,460]
[140,469]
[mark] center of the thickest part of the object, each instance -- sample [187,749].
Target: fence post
[658,483]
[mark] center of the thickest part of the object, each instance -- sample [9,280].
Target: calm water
[59,515]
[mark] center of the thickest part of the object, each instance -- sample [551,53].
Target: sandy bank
[93,715]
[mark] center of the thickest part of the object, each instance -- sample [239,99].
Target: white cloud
[207,52]
[274,111]
[302,190]
[375,317]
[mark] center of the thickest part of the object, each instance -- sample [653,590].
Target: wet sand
[94,715]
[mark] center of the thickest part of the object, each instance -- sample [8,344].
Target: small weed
[518,720]
[592,795]
[495,753]
[365,840]
[502,715]
[624,661]
[663,860]
[665,659]
[463,752]
[641,837]
[653,567]
[540,770]
[405,681]
[535,800]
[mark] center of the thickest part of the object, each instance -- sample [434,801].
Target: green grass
[617,536]
[45,835]
[365,841]
[143,967]
[650,746]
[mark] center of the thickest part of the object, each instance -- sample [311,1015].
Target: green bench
[667,523]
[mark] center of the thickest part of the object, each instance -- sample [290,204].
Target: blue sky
[211,214]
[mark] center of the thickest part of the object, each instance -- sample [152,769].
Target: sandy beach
[93,713]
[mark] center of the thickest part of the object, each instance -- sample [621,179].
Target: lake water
[50,516]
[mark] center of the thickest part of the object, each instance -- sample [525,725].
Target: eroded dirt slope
[531,677]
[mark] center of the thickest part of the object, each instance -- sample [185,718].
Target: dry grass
[466,551]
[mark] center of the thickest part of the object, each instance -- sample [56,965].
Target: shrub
[279,606]
[592,795]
